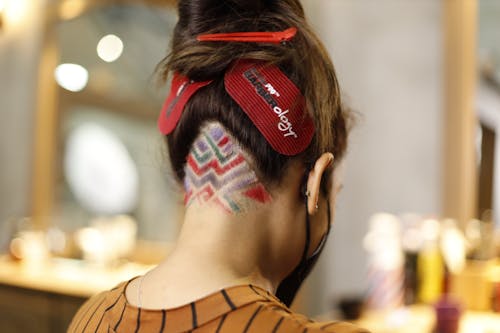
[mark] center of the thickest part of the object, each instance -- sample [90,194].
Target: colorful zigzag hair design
[217,172]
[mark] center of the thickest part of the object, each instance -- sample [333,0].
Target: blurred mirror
[112,160]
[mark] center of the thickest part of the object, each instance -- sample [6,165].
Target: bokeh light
[110,48]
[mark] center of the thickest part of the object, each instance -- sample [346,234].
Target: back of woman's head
[303,59]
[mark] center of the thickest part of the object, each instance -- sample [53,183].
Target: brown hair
[304,60]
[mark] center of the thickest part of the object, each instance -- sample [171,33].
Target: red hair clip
[265,94]
[251,37]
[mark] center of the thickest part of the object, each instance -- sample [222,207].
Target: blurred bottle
[430,264]
[412,241]
[386,263]
[448,310]
[29,245]
[481,236]
[351,308]
[448,314]
[496,298]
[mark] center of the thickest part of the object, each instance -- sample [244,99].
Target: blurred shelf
[66,276]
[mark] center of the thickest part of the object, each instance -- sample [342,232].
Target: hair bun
[204,15]
[204,61]
[231,7]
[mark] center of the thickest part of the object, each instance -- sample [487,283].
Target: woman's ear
[314,181]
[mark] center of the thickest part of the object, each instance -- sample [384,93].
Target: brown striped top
[237,309]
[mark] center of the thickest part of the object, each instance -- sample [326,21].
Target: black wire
[308,232]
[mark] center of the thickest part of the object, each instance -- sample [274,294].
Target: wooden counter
[44,298]
[421,319]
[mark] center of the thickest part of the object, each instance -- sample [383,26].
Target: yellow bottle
[430,270]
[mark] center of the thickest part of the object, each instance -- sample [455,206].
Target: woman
[255,130]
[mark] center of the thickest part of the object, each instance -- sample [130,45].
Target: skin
[217,249]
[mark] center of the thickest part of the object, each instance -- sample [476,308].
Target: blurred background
[87,199]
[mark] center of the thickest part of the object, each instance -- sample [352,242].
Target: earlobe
[314,181]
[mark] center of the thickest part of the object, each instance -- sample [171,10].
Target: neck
[211,253]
